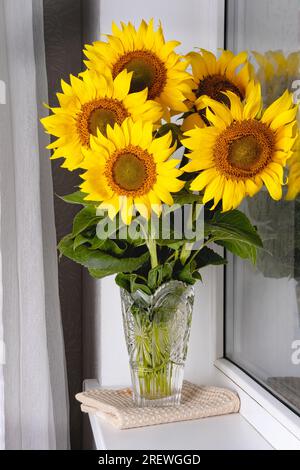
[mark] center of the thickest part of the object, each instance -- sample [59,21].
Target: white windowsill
[230,432]
[277,423]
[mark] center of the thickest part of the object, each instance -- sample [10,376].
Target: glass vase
[157,329]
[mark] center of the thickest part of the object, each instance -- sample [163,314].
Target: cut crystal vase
[157,329]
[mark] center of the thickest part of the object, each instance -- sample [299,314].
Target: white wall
[196,23]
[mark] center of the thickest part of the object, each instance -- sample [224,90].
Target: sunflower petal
[274,188]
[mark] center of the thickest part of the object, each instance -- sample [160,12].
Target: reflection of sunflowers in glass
[294,173]
[243,149]
[277,72]
[129,168]
[89,104]
[152,60]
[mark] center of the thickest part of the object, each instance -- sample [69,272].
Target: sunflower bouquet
[152,133]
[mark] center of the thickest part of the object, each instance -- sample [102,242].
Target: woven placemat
[117,407]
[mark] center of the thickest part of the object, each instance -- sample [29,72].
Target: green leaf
[207,256]
[234,226]
[132,283]
[112,246]
[187,273]
[83,219]
[174,128]
[173,242]
[243,250]
[99,263]
[186,197]
[122,281]
[64,244]
[159,275]
[80,240]
[138,283]
[197,276]
[156,277]
[77,198]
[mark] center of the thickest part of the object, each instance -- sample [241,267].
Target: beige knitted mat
[117,407]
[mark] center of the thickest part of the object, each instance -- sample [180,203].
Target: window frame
[273,420]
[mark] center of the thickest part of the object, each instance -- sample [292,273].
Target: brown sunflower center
[245,152]
[98,114]
[148,71]
[214,87]
[131,171]
[244,149]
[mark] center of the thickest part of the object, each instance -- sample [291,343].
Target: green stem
[185,252]
[152,358]
[153,252]
[151,244]
[187,247]
[174,255]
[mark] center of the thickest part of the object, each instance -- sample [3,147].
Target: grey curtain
[35,394]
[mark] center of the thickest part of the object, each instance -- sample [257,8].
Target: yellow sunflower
[243,149]
[213,76]
[152,60]
[90,103]
[128,168]
[294,173]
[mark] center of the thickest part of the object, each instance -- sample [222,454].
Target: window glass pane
[263,301]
